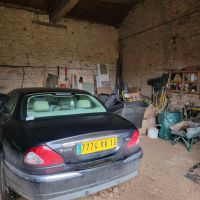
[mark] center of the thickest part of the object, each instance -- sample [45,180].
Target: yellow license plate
[96,145]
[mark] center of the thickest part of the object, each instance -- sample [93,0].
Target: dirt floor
[162,175]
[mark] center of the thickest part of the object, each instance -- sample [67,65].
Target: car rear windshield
[61,104]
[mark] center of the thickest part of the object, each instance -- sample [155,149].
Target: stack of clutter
[149,120]
[186,131]
[191,129]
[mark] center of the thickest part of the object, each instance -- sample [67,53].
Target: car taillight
[42,156]
[134,139]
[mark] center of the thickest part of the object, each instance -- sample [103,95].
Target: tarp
[133,112]
[167,119]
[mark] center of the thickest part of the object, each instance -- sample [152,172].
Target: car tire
[5,192]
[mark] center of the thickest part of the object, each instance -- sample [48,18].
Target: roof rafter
[120,1]
[62,9]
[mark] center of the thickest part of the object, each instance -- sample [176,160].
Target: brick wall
[30,45]
[145,37]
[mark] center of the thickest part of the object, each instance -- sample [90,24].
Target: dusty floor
[162,175]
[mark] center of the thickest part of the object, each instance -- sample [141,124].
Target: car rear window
[61,104]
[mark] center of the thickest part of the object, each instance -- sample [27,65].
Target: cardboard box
[104,90]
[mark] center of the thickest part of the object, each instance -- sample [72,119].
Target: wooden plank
[62,9]
[121,1]
[49,24]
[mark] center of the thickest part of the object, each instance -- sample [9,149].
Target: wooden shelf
[175,90]
[194,82]
[181,71]
[185,84]
[175,81]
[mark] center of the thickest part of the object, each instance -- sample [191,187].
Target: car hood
[54,129]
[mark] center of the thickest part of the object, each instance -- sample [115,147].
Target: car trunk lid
[92,146]
[103,136]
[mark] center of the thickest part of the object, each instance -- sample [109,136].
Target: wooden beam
[19,7]
[120,1]
[49,24]
[62,9]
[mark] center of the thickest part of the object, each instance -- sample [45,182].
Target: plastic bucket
[152,133]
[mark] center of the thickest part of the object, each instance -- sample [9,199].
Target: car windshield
[61,104]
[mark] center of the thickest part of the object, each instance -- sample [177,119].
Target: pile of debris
[149,120]
[186,131]
[194,173]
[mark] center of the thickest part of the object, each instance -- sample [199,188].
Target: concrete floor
[162,175]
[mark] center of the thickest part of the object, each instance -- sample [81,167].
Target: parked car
[63,144]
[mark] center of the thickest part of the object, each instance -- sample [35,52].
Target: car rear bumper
[72,185]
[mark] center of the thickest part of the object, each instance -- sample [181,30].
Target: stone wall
[31,47]
[146,39]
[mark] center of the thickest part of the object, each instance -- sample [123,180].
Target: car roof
[26,91]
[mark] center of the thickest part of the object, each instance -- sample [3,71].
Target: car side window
[10,103]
